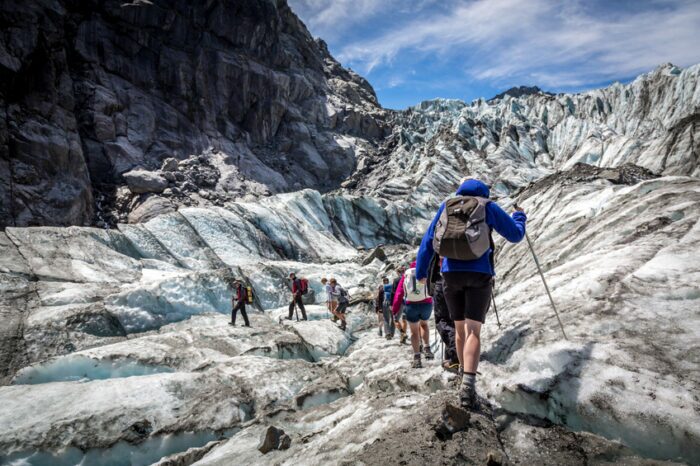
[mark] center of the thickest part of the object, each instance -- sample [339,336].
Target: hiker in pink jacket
[419,307]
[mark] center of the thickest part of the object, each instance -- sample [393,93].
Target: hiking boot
[343,325]
[389,336]
[450,366]
[416,362]
[334,318]
[232,324]
[380,332]
[428,353]
[467,396]
[403,339]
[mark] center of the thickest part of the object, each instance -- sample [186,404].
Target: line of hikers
[337,298]
[453,270]
[399,307]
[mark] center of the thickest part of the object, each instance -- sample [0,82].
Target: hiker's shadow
[508,343]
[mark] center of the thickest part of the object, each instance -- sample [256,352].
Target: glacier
[116,348]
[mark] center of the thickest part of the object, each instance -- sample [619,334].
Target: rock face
[91,90]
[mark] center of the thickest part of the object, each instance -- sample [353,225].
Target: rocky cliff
[238,89]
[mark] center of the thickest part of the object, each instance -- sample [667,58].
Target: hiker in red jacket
[238,300]
[297,290]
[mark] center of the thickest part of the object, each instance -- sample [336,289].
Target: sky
[414,50]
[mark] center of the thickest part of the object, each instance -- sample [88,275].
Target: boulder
[151,207]
[143,181]
[272,440]
[169,165]
[377,253]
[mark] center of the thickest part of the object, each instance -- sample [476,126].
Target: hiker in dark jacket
[383,309]
[296,297]
[468,283]
[238,300]
[389,326]
[379,305]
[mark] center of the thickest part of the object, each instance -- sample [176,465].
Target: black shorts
[468,295]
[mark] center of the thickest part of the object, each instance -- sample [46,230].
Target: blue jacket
[387,292]
[511,228]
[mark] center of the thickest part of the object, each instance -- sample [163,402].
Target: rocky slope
[92,90]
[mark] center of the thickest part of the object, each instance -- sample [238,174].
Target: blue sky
[413,50]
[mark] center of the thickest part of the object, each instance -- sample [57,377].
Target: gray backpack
[461,231]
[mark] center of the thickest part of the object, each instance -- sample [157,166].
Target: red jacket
[240,294]
[296,286]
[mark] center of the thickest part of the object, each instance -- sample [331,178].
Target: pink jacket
[398,297]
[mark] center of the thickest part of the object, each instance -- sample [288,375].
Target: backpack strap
[485,202]
[433,273]
[492,258]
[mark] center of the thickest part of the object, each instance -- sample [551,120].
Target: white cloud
[546,42]
[326,18]
[330,18]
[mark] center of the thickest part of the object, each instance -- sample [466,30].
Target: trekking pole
[495,309]
[539,269]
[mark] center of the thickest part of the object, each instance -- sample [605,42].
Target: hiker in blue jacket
[468,283]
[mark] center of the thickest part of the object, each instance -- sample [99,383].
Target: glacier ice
[74,367]
[132,323]
[145,307]
[142,454]
[620,262]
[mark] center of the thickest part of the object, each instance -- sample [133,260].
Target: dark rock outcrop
[520,91]
[274,439]
[90,90]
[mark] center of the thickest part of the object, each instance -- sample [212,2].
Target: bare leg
[472,346]
[425,333]
[460,339]
[415,337]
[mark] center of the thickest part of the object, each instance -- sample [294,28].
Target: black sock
[469,378]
